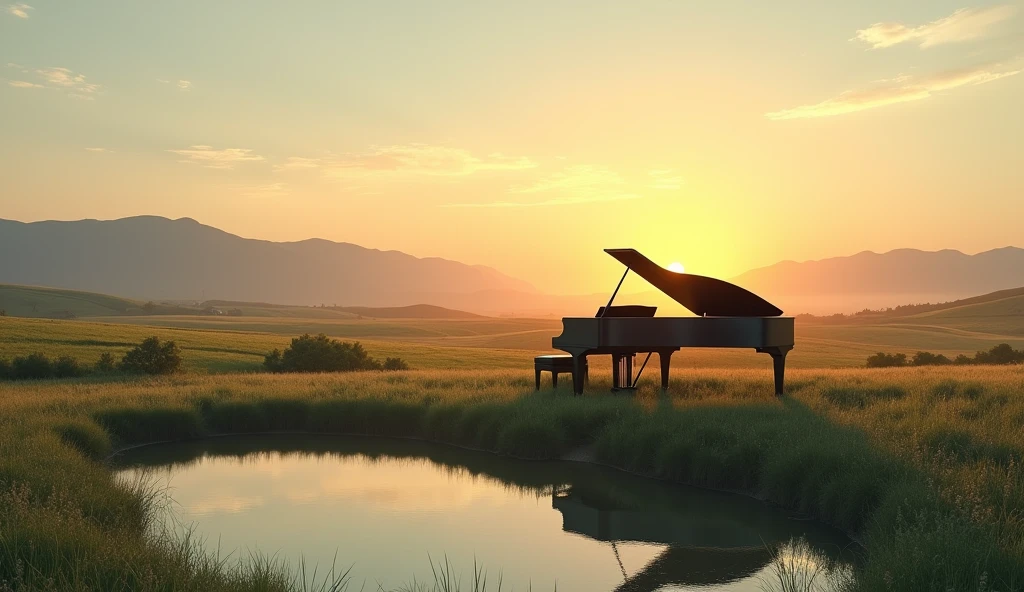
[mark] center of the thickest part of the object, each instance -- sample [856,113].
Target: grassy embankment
[922,464]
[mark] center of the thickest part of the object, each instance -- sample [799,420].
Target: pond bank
[825,451]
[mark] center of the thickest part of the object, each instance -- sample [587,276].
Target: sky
[526,135]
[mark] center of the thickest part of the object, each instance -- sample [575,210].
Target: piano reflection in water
[726,316]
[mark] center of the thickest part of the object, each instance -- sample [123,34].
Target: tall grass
[921,464]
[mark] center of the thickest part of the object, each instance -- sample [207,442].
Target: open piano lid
[703,296]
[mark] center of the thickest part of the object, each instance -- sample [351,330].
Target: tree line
[149,357]
[306,353]
[1001,354]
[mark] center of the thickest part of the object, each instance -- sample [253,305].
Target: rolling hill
[150,258]
[872,280]
[54,303]
[30,301]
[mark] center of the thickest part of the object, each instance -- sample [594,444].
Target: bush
[395,364]
[32,366]
[66,367]
[5,369]
[106,363]
[323,354]
[1000,354]
[153,357]
[923,358]
[884,360]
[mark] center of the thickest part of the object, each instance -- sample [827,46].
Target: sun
[676,267]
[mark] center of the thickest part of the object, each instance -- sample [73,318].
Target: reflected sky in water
[383,506]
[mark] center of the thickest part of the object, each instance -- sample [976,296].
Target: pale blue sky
[726,135]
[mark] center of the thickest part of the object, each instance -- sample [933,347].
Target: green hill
[32,301]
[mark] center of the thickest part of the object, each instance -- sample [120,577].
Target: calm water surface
[383,506]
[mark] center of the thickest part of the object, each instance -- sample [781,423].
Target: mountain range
[154,258]
[149,257]
[878,280]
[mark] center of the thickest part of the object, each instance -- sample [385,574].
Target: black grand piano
[726,316]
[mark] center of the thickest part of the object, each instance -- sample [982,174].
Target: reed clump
[921,464]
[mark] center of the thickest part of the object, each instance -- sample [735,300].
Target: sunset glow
[677,267]
[436,128]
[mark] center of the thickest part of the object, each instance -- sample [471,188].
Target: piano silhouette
[726,315]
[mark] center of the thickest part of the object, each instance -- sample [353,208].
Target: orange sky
[527,136]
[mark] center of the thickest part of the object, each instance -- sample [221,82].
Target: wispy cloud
[582,177]
[665,179]
[965,24]
[298,163]
[73,84]
[19,10]
[98,150]
[225,158]
[408,160]
[577,184]
[903,89]
[181,84]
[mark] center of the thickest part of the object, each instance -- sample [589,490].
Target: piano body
[726,316]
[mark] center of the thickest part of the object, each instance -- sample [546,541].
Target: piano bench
[555,364]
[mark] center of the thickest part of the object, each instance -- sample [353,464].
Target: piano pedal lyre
[622,373]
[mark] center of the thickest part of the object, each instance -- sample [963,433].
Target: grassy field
[238,344]
[922,464]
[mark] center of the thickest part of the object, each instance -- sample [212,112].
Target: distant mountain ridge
[149,257]
[873,280]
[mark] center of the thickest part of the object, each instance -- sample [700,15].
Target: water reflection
[385,504]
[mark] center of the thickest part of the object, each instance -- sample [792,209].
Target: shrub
[5,369]
[1000,354]
[66,367]
[323,354]
[395,364]
[153,357]
[106,363]
[884,360]
[32,366]
[923,358]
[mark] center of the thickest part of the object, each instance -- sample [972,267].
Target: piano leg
[536,371]
[554,380]
[665,357]
[778,355]
[579,373]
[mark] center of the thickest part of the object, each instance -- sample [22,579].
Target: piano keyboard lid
[703,296]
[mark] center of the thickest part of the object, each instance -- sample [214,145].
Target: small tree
[31,366]
[923,358]
[272,361]
[395,364]
[67,367]
[153,357]
[1000,354]
[884,360]
[322,354]
[106,364]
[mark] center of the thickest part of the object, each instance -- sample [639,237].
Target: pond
[392,509]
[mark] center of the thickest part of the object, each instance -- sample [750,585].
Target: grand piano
[726,315]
